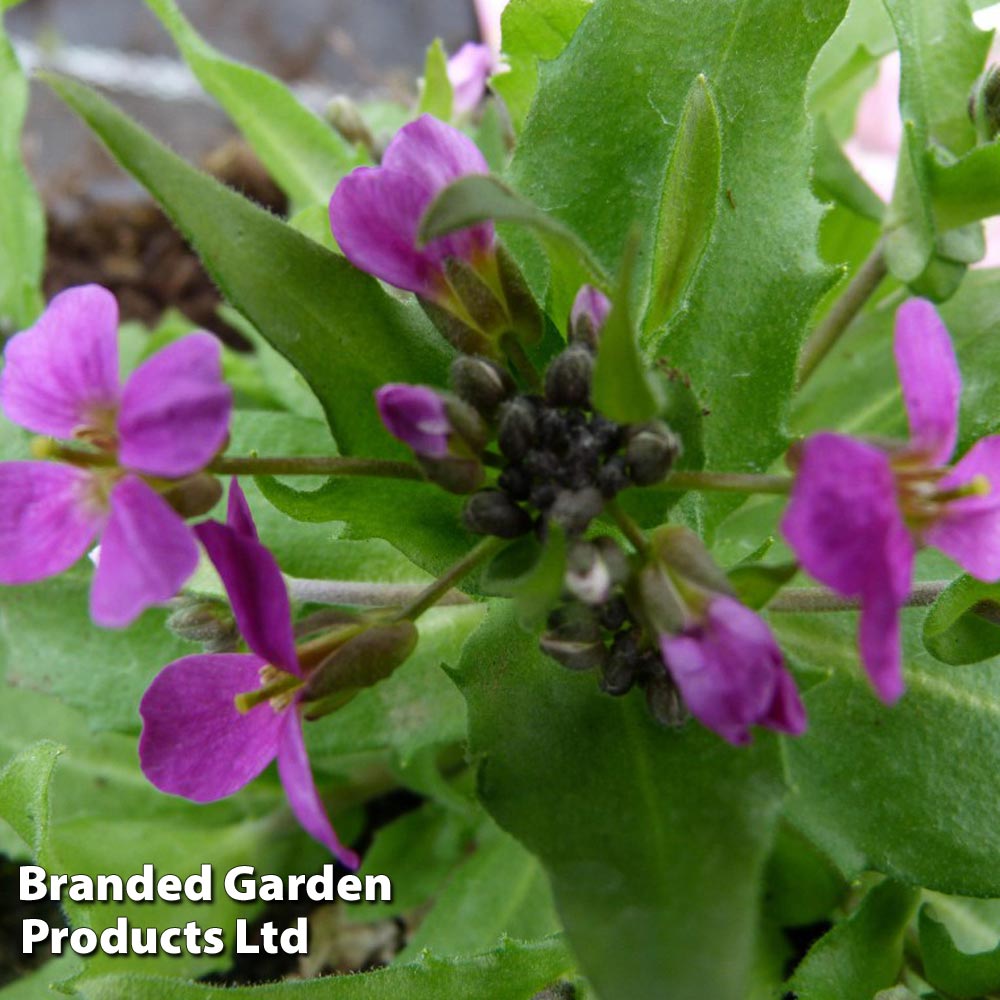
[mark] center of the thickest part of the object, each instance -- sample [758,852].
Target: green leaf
[435,90]
[688,205]
[22,221]
[875,786]
[650,837]
[835,177]
[24,794]
[622,390]
[530,573]
[302,153]
[533,30]
[499,891]
[594,155]
[803,887]
[864,953]
[757,583]
[957,973]
[967,189]
[963,625]
[333,323]
[509,972]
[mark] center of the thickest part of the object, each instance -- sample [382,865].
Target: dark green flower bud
[558,991]
[984,105]
[685,554]
[518,428]
[207,620]
[527,322]
[360,662]
[575,509]
[484,308]
[490,512]
[576,643]
[460,334]
[654,598]
[466,424]
[343,114]
[567,381]
[619,673]
[482,383]
[651,450]
[665,702]
[453,473]
[195,496]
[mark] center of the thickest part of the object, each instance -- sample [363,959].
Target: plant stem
[810,599]
[728,482]
[521,362]
[324,465]
[843,311]
[630,529]
[433,593]
[373,595]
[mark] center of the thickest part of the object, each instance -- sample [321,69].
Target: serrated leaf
[531,574]
[862,955]
[963,624]
[333,323]
[22,221]
[509,972]
[650,838]
[302,153]
[688,204]
[836,178]
[957,973]
[435,89]
[595,155]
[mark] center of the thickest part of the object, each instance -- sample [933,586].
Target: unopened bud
[984,105]
[588,316]
[665,702]
[460,334]
[360,662]
[415,415]
[567,381]
[517,430]
[484,308]
[619,673]
[482,383]
[343,114]
[453,473]
[593,569]
[466,424]
[573,510]
[656,601]
[575,641]
[651,450]
[686,555]
[527,322]
[206,620]
[195,496]
[490,512]
[558,991]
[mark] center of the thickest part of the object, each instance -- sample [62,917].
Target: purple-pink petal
[147,554]
[930,379]
[878,638]
[296,776]
[62,374]
[175,409]
[238,516]
[375,212]
[468,71]
[194,741]
[728,669]
[591,304]
[256,591]
[416,416]
[48,519]
[786,713]
[968,530]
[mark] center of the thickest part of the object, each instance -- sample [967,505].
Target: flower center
[278,687]
[922,502]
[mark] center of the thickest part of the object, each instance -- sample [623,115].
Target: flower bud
[517,430]
[593,569]
[453,473]
[360,662]
[479,300]
[575,509]
[567,381]
[207,620]
[466,424]
[587,317]
[416,416]
[665,702]
[575,641]
[651,450]
[490,512]
[343,114]
[685,554]
[194,496]
[619,672]
[656,601]
[527,322]
[984,104]
[461,335]
[482,383]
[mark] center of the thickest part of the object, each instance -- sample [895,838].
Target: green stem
[841,314]
[728,482]
[431,594]
[815,599]
[630,529]
[331,465]
[521,362]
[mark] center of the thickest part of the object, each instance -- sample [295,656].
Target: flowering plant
[618,492]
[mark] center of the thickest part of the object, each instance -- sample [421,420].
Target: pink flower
[167,422]
[590,305]
[416,416]
[469,69]
[375,212]
[859,511]
[195,741]
[731,674]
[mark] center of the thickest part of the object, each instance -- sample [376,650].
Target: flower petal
[238,516]
[591,305]
[468,71]
[416,416]
[194,741]
[175,409]
[929,376]
[878,637]
[786,713]
[296,776]
[256,591]
[843,521]
[969,529]
[47,520]
[147,553]
[62,373]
